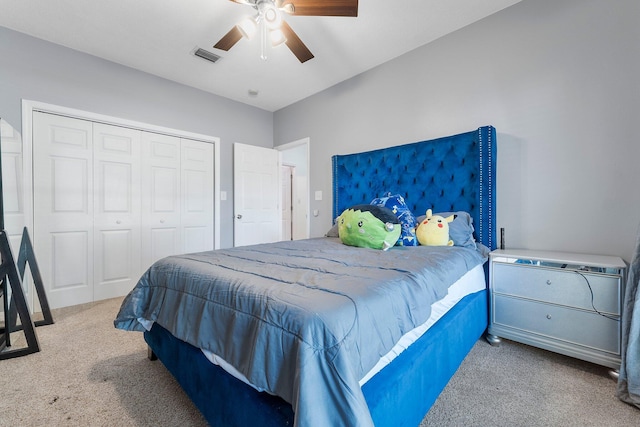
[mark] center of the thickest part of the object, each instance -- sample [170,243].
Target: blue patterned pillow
[405,216]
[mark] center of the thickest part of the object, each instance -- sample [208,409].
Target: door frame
[306,143]
[290,175]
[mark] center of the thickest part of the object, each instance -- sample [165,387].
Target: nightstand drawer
[572,288]
[573,326]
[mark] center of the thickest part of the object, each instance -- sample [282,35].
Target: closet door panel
[116,255]
[197,196]
[116,198]
[67,272]
[69,192]
[161,197]
[63,213]
[195,239]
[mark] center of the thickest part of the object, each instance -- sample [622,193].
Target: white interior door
[63,207]
[161,235]
[116,197]
[256,194]
[196,217]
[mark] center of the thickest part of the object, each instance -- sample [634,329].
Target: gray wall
[559,81]
[40,71]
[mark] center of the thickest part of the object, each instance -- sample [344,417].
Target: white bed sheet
[473,281]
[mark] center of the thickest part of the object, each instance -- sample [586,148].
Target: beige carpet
[90,374]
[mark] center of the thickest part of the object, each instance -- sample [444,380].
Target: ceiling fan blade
[229,39]
[294,43]
[321,7]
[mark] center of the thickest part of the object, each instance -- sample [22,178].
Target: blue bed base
[455,173]
[399,395]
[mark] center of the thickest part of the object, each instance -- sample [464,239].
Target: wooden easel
[12,293]
[10,280]
[27,255]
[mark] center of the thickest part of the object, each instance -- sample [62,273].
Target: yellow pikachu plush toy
[434,230]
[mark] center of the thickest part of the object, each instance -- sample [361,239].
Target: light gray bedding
[301,319]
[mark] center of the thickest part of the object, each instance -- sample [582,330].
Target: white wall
[559,81]
[36,70]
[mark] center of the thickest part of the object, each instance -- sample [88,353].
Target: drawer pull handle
[548,316]
[548,282]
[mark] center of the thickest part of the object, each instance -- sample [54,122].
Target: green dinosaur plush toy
[369,226]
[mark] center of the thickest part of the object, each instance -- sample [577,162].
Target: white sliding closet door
[197,196]
[177,202]
[161,235]
[63,206]
[110,200]
[116,197]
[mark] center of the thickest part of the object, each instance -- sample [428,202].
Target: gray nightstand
[563,302]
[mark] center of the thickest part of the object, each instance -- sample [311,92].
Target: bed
[253,332]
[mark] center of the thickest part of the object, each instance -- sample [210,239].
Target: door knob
[239,216]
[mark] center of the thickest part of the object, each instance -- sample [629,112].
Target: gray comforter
[305,319]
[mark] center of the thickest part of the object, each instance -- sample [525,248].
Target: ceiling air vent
[206,55]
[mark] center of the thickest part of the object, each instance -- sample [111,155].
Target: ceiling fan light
[288,8]
[277,37]
[271,15]
[248,27]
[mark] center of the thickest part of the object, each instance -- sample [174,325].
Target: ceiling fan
[269,21]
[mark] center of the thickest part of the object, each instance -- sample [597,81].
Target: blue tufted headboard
[454,173]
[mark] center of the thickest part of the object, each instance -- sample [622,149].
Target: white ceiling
[160,36]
